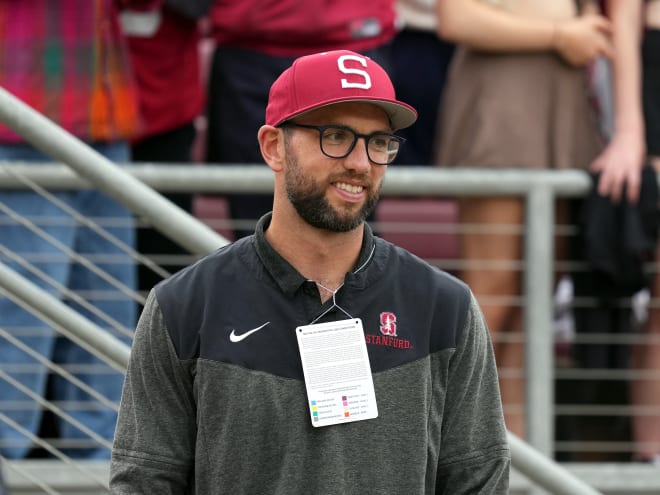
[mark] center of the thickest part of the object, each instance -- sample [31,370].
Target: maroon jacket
[295,27]
[167,70]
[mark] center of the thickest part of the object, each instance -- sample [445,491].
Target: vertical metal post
[539,347]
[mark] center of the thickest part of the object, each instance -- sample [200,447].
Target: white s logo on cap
[347,70]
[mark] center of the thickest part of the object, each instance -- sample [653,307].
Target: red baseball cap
[321,79]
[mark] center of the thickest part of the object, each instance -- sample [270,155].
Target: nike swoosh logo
[237,338]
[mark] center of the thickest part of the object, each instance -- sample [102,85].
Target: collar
[286,276]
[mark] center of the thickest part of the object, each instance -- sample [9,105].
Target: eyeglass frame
[356,135]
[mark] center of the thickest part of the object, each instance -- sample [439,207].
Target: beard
[308,199]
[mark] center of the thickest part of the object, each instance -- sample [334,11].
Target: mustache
[363,179]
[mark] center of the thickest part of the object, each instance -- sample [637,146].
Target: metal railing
[129,185]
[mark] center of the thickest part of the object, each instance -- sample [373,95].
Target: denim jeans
[36,334]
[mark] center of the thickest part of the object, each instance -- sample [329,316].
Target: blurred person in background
[419,63]
[68,60]
[515,98]
[622,201]
[622,186]
[646,356]
[621,161]
[164,45]
[420,59]
[255,41]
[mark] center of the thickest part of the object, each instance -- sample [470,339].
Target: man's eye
[336,136]
[380,142]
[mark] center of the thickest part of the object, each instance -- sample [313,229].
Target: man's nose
[358,158]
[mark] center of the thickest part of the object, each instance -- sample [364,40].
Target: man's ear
[271,143]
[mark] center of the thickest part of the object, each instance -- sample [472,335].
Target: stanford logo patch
[389,336]
[388,324]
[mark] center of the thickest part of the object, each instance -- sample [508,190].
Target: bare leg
[488,271]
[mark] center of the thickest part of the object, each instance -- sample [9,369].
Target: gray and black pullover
[201,414]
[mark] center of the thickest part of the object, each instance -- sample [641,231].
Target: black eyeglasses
[337,141]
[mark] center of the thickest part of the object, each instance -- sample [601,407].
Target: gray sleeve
[154,444]
[474,455]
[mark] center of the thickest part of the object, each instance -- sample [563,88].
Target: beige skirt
[516,111]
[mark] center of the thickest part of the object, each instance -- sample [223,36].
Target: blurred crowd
[498,84]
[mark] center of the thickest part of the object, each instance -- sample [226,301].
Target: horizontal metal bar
[244,178]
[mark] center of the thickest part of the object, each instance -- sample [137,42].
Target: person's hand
[581,39]
[620,165]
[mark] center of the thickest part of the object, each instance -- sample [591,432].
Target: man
[314,357]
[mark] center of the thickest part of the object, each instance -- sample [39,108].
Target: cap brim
[401,114]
